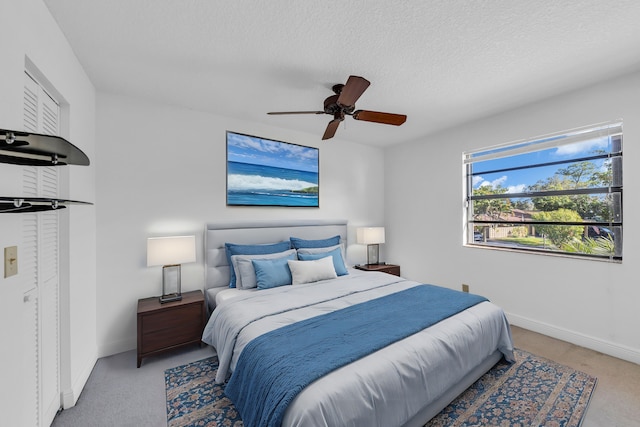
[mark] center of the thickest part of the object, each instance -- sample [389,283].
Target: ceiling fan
[344,103]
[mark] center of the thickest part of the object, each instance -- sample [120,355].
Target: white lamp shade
[171,250]
[370,235]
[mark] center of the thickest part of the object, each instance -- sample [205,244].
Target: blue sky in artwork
[259,151]
[518,181]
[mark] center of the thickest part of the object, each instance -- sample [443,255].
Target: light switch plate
[10,261]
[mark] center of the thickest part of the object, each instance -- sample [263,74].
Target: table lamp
[170,253]
[372,237]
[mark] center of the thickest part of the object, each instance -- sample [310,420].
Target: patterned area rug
[531,392]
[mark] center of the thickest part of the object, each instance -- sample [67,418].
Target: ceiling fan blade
[378,117]
[296,112]
[332,127]
[351,91]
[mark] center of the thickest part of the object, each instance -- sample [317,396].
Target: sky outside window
[519,180]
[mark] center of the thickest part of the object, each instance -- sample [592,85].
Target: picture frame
[267,172]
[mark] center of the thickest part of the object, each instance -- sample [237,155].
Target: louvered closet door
[40,261]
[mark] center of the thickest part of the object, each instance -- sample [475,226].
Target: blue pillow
[271,273]
[320,243]
[233,249]
[336,254]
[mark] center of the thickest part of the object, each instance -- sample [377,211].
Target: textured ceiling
[440,62]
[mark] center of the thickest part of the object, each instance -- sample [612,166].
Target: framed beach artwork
[265,172]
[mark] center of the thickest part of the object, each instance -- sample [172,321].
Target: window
[556,194]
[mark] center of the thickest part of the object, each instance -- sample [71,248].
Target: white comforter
[386,388]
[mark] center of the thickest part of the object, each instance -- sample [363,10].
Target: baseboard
[612,349]
[70,397]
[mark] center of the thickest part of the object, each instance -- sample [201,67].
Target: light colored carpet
[118,394]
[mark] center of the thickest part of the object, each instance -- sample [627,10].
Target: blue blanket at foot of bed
[273,368]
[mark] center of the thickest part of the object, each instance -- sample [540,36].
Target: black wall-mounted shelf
[35,204]
[34,149]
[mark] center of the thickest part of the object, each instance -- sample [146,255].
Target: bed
[404,382]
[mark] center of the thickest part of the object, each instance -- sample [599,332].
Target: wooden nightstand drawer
[384,268]
[163,327]
[159,340]
[167,319]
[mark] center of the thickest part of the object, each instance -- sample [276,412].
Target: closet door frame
[41,261]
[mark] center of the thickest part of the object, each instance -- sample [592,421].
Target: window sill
[543,253]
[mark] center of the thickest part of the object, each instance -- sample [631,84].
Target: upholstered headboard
[217,234]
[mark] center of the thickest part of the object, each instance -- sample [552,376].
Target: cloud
[478,181]
[516,188]
[493,184]
[266,151]
[583,147]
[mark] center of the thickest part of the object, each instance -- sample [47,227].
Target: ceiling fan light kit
[344,103]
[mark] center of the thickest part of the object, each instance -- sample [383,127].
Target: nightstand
[163,327]
[384,268]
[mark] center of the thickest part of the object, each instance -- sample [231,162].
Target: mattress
[386,388]
[220,296]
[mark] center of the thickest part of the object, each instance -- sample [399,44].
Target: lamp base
[373,252]
[171,288]
[170,298]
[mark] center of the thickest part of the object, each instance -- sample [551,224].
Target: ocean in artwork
[254,184]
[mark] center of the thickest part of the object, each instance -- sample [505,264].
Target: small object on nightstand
[384,268]
[163,327]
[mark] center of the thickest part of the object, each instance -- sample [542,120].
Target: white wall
[591,303]
[162,171]
[31,38]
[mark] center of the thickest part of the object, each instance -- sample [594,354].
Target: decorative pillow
[243,267]
[297,243]
[327,249]
[335,254]
[318,250]
[271,273]
[312,271]
[234,249]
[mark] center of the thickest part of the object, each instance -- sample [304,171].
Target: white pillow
[312,271]
[245,273]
